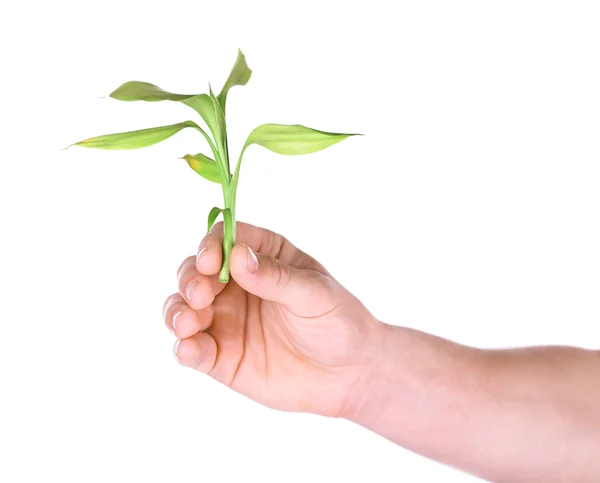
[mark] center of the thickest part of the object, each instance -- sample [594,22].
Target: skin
[286,334]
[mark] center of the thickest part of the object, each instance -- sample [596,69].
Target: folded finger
[261,240]
[198,290]
[183,321]
[198,352]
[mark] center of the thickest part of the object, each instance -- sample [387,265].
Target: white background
[470,210]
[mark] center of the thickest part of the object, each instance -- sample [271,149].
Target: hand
[283,331]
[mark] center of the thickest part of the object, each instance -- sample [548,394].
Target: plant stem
[228,241]
[230,220]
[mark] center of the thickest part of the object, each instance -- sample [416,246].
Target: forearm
[524,415]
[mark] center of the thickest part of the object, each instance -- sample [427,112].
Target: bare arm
[523,415]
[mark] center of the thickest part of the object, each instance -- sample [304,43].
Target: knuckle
[172,301]
[185,265]
[180,269]
[281,273]
[166,305]
[271,243]
[321,286]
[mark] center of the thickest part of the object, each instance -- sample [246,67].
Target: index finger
[263,241]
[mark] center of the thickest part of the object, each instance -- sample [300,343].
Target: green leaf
[136,139]
[239,76]
[221,128]
[293,139]
[212,217]
[285,139]
[144,91]
[204,166]
[204,105]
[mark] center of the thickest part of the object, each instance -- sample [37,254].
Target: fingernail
[175,349]
[189,291]
[176,320]
[252,260]
[201,251]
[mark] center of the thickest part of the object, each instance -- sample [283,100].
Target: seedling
[279,138]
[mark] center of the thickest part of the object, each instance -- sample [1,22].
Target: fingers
[198,352]
[261,240]
[305,292]
[182,320]
[198,290]
[210,252]
[191,311]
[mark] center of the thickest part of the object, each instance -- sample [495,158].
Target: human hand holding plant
[283,332]
[259,333]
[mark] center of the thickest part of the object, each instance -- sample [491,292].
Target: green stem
[232,193]
[222,167]
[230,221]
[223,176]
[228,224]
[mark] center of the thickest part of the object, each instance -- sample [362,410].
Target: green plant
[279,138]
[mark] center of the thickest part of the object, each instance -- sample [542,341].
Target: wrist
[370,393]
[419,391]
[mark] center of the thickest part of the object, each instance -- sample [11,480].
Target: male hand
[283,331]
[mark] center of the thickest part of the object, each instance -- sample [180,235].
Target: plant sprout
[279,138]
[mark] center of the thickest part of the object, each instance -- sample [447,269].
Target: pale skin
[286,334]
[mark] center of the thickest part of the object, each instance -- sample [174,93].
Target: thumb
[307,293]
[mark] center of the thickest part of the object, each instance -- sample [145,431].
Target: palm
[282,359]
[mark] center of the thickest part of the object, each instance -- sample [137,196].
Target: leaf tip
[116,94]
[241,54]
